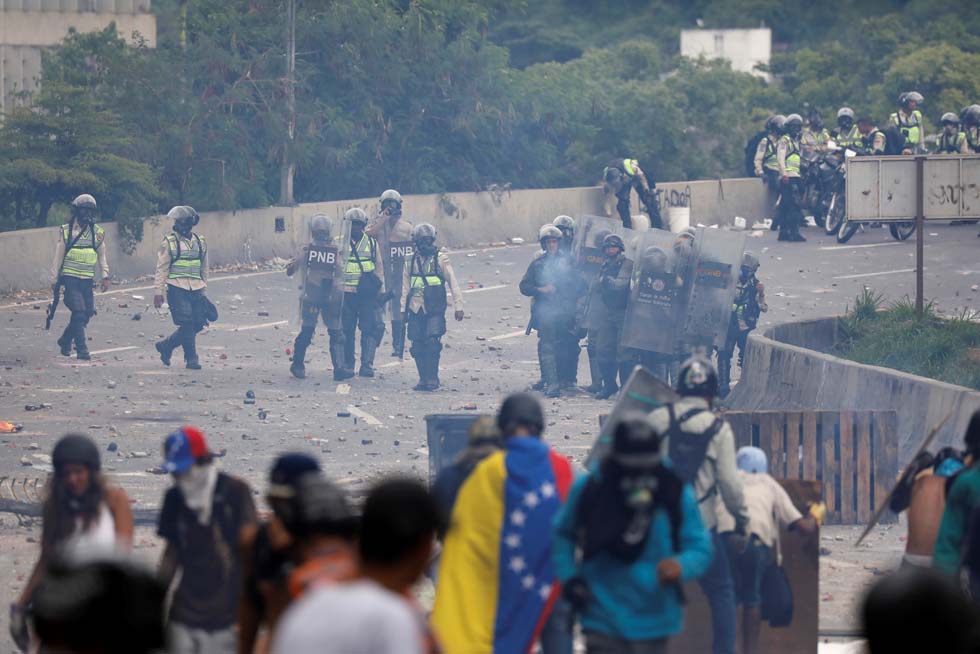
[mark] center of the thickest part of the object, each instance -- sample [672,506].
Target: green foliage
[436,96]
[940,348]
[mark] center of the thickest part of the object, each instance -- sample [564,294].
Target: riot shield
[643,391]
[714,273]
[322,273]
[396,250]
[658,294]
[587,244]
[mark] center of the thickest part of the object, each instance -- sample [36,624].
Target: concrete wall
[461,219]
[780,373]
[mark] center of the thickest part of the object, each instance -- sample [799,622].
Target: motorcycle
[834,174]
[813,185]
[836,216]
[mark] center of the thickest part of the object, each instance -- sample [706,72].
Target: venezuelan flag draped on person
[496,582]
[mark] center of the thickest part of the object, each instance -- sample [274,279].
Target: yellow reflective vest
[83,255]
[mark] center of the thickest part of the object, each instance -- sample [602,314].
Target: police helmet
[423,231]
[613,240]
[391,198]
[600,236]
[688,232]
[84,207]
[320,227]
[750,261]
[547,232]
[565,223]
[184,216]
[949,118]
[654,258]
[794,120]
[775,123]
[971,115]
[697,377]
[356,215]
[911,96]
[845,112]
[816,120]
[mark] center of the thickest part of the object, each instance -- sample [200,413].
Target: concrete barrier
[784,370]
[462,219]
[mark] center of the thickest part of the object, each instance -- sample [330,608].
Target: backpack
[894,140]
[687,450]
[777,596]
[750,150]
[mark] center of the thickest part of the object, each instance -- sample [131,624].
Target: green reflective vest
[769,159]
[910,126]
[850,138]
[360,260]
[950,144]
[793,156]
[186,262]
[83,254]
[631,166]
[425,272]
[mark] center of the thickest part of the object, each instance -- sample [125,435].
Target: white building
[744,48]
[29,26]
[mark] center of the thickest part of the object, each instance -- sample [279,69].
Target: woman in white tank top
[83,519]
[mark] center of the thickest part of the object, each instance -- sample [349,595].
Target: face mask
[197,487]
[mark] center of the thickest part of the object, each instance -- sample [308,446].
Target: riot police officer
[750,301]
[791,185]
[182,271]
[847,134]
[951,140]
[363,288]
[619,178]
[424,298]
[970,118]
[611,289]
[322,297]
[80,249]
[566,225]
[908,121]
[394,233]
[571,349]
[551,283]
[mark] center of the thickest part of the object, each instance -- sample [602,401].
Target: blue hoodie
[628,601]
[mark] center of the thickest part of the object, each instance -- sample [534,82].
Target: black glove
[576,592]
[18,626]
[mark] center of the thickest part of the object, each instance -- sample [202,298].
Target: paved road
[125,396]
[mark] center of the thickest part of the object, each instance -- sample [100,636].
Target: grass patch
[893,336]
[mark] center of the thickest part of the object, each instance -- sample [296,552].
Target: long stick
[884,504]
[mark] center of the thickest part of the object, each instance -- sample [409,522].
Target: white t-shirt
[96,543]
[359,617]
[768,505]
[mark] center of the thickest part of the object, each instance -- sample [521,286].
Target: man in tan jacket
[394,235]
[424,282]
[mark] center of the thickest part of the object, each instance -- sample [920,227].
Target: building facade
[744,48]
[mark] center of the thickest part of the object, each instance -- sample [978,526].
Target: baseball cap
[751,459]
[183,448]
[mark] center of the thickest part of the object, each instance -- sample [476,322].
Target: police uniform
[952,144]
[362,308]
[318,301]
[910,126]
[608,295]
[849,138]
[387,232]
[874,142]
[750,302]
[79,251]
[814,140]
[790,216]
[633,178]
[182,270]
[425,279]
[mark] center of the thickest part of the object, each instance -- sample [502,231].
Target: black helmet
[548,232]
[424,238]
[775,123]
[613,240]
[84,209]
[75,448]
[794,123]
[286,473]
[321,507]
[355,215]
[654,259]
[520,410]
[566,224]
[816,120]
[320,227]
[635,442]
[391,199]
[970,116]
[185,218]
[949,118]
[697,377]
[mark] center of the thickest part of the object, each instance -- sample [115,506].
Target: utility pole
[288,168]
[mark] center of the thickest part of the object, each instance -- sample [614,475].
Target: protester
[630,517]
[922,491]
[373,614]
[203,519]
[958,541]
[769,508]
[496,584]
[483,439]
[269,554]
[83,517]
[919,610]
[99,607]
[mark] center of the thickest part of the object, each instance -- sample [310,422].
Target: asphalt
[128,401]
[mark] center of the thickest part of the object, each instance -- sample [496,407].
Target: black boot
[368,347]
[64,343]
[420,366]
[595,373]
[81,346]
[398,339]
[433,368]
[350,338]
[338,345]
[609,387]
[298,367]
[188,341]
[166,347]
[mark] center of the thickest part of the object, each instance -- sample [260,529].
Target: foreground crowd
[519,547]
